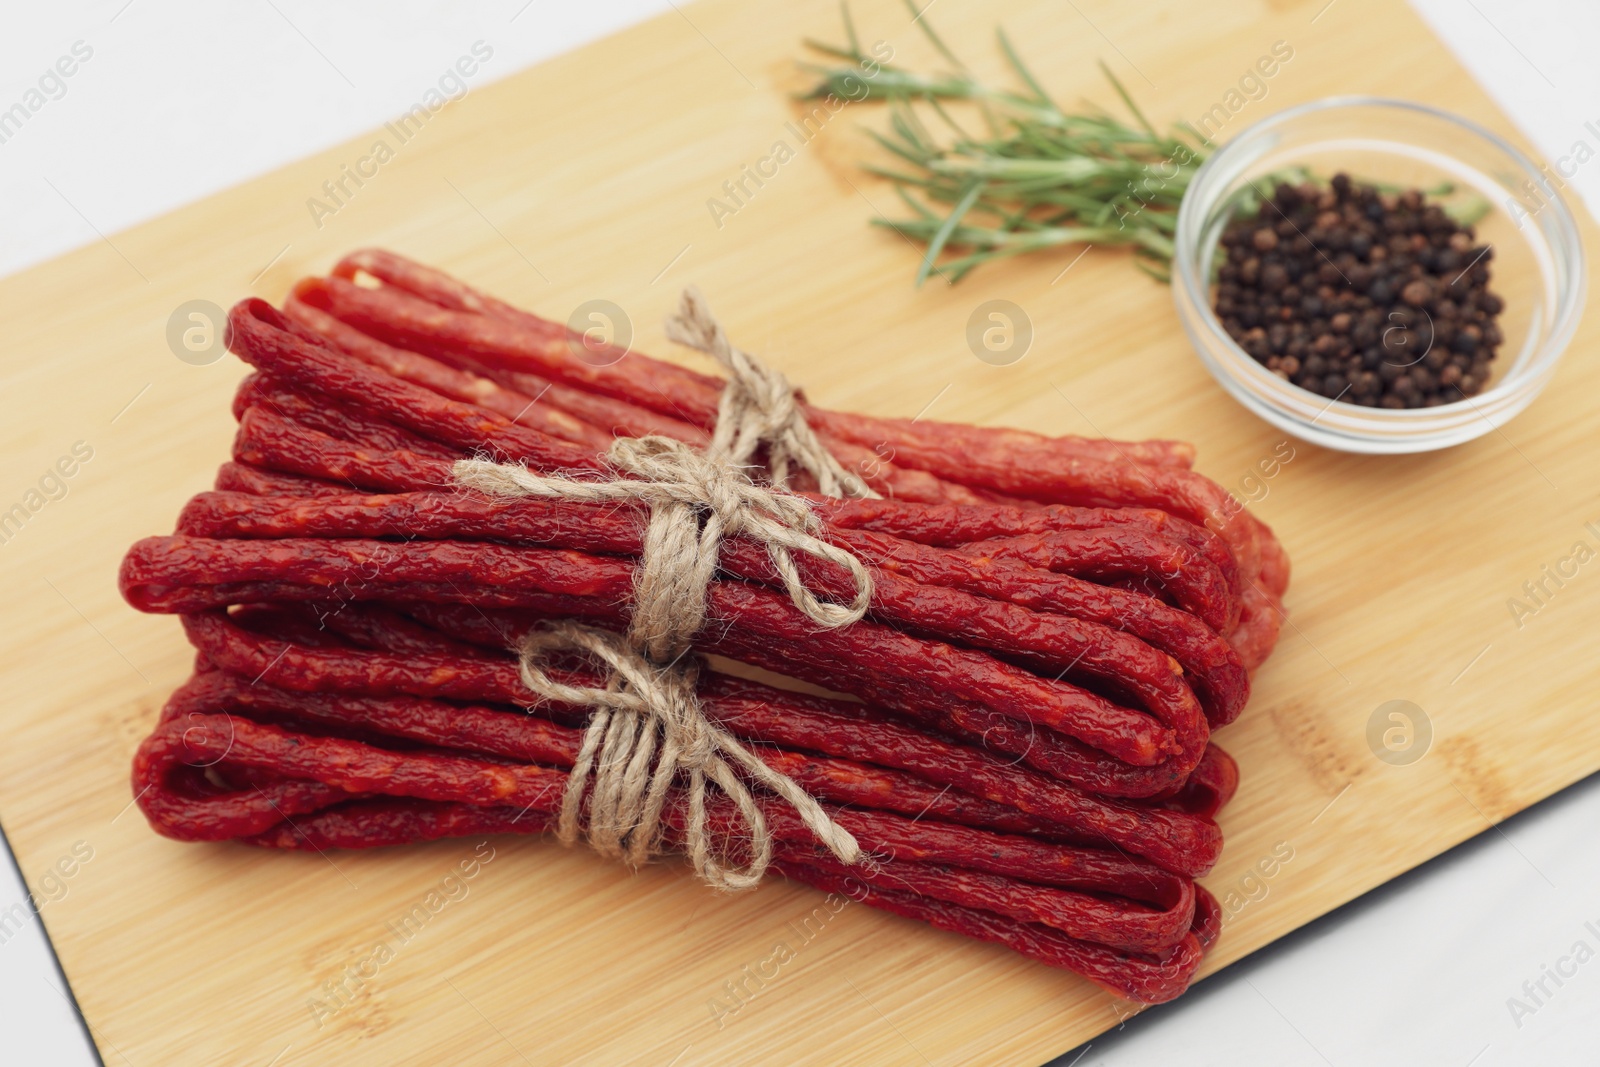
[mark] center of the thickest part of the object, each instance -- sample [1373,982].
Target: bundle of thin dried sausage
[1017,734]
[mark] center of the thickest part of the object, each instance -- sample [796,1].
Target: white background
[1417,973]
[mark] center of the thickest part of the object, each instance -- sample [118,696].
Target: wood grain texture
[588,178]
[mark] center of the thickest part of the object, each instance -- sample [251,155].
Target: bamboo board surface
[588,178]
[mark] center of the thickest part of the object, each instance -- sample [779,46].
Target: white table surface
[180,99]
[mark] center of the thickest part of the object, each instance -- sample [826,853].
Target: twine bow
[648,727]
[759,407]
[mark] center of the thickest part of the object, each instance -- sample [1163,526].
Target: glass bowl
[1538,265]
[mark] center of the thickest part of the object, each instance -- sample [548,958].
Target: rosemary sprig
[1039,177]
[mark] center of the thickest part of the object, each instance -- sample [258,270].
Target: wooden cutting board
[589,178]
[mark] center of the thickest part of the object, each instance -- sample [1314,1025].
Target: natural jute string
[759,407]
[648,726]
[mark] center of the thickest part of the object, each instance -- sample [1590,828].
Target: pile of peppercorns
[1368,297]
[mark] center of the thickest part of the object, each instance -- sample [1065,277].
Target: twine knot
[648,729]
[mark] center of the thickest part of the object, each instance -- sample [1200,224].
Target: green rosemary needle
[1039,177]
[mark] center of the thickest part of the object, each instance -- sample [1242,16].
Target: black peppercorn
[1372,298]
